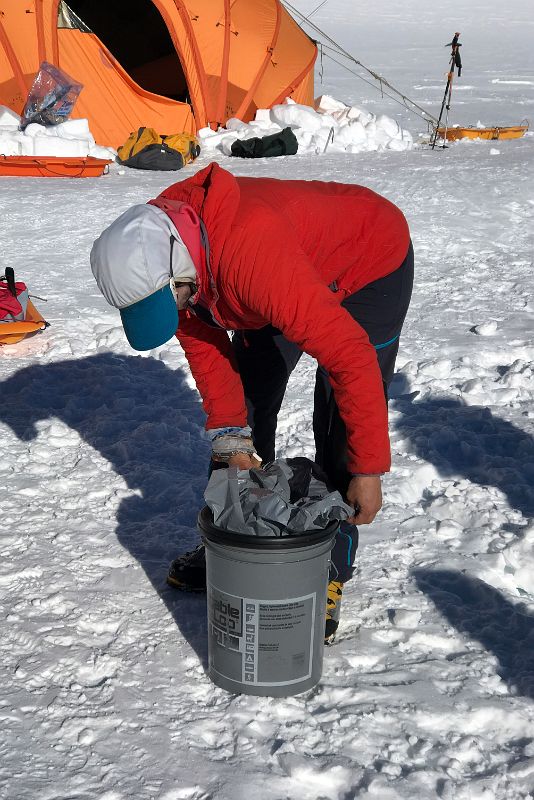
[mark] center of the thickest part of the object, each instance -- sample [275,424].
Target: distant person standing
[290,267]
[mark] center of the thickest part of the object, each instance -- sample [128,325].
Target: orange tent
[174,65]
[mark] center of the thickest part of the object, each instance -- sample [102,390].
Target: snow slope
[428,692]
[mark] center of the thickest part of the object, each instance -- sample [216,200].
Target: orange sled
[13,332]
[52,167]
[510,132]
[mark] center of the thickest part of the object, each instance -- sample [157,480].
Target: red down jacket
[275,247]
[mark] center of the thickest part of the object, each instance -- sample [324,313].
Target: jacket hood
[214,194]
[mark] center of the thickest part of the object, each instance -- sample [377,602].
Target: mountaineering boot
[333,609]
[188,571]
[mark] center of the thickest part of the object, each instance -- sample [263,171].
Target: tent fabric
[175,65]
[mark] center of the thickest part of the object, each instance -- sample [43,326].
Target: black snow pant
[266,359]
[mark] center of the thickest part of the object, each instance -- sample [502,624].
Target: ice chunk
[33,129]
[8,118]
[354,112]
[370,129]
[27,145]
[235,124]
[296,116]
[263,116]
[73,129]
[327,104]
[226,144]
[357,131]
[322,140]
[213,141]
[381,137]
[304,138]
[9,145]
[56,146]
[366,117]
[205,133]
[96,151]
[388,125]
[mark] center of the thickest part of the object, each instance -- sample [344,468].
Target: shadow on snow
[481,612]
[144,419]
[470,442]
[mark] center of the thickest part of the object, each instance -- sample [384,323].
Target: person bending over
[289,266]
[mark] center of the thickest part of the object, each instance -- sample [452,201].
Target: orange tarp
[227,57]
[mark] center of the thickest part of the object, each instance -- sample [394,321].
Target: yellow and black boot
[333,609]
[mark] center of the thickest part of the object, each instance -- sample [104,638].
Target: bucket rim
[234,539]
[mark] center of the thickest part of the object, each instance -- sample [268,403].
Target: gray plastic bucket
[266,609]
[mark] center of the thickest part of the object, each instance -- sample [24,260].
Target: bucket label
[262,643]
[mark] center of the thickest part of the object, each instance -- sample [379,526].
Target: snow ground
[428,692]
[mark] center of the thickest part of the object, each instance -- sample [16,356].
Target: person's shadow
[144,419]
[469,442]
[482,613]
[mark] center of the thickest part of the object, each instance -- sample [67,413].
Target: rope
[405,101]
[425,116]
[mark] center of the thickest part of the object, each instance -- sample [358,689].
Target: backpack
[13,298]
[147,149]
[18,315]
[277,144]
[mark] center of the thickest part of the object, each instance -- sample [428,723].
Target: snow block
[56,146]
[388,125]
[235,124]
[295,115]
[9,145]
[327,104]
[8,118]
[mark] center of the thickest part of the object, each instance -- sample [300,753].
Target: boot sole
[184,587]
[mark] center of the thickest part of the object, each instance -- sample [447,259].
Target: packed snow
[331,126]
[69,139]
[428,691]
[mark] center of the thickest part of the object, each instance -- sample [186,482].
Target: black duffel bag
[283,143]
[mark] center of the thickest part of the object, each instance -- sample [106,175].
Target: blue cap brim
[152,321]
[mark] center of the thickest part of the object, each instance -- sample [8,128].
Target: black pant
[266,359]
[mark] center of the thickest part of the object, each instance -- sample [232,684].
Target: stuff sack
[147,149]
[277,144]
[13,299]
[18,315]
[51,98]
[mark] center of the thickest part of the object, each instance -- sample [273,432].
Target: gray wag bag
[286,498]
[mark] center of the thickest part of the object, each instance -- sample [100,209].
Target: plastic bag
[286,498]
[51,97]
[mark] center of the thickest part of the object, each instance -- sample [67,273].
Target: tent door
[135,33]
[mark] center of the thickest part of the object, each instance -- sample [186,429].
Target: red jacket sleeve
[271,275]
[211,359]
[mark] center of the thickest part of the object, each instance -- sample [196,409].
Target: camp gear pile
[286,498]
[147,149]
